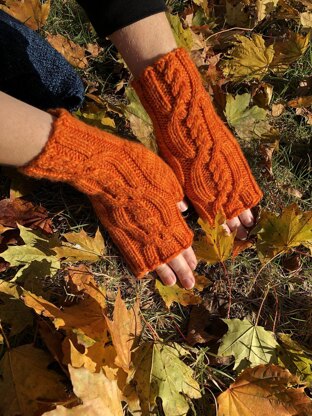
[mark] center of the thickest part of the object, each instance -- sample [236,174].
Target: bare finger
[166,275]
[235,224]
[183,271]
[247,218]
[190,257]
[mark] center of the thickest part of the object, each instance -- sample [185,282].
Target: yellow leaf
[81,247]
[33,13]
[266,390]
[99,395]
[277,234]
[85,318]
[216,246]
[177,294]
[27,387]
[72,52]
[93,358]
[124,330]
[249,59]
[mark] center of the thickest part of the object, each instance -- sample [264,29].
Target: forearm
[24,130]
[144,41]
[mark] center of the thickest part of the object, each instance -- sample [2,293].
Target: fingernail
[170,281]
[183,206]
[188,283]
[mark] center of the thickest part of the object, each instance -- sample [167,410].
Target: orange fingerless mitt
[133,192]
[193,140]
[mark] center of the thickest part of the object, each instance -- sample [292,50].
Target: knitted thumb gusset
[193,140]
[133,192]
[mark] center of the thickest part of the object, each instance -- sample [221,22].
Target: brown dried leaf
[277,109]
[301,102]
[265,390]
[33,13]
[72,52]
[25,213]
[289,50]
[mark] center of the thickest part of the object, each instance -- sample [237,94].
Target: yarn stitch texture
[194,141]
[133,192]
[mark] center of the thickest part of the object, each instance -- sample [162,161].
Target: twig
[261,305]
[154,333]
[230,288]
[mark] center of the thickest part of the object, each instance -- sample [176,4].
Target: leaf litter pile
[78,334]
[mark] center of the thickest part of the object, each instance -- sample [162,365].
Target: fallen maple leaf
[33,13]
[216,246]
[35,253]
[296,358]
[85,318]
[72,52]
[177,294]
[81,247]
[13,211]
[249,59]
[26,385]
[159,372]
[249,344]
[124,329]
[99,395]
[262,391]
[278,234]
[289,50]
[94,357]
[248,122]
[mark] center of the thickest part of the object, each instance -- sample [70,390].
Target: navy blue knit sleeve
[107,16]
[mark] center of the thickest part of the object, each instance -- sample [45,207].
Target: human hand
[195,142]
[133,192]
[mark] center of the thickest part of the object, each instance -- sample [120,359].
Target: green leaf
[249,344]
[159,372]
[277,234]
[248,122]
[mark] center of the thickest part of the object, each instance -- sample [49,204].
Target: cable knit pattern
[194,141]
[133,192]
